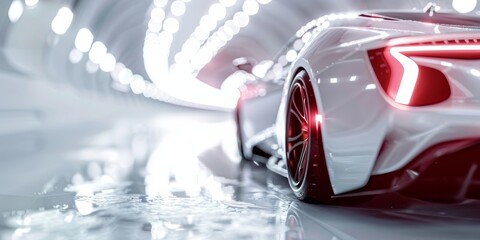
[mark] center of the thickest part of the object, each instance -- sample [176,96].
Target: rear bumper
[447,170]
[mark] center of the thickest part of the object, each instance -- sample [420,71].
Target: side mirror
[244,63]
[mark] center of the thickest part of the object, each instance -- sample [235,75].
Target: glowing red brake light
[408,82]
[408,75]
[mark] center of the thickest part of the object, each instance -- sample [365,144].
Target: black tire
[239,131]
[307,170]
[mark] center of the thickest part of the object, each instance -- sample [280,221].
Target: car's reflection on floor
[179,177]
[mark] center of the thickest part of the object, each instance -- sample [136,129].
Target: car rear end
[432,84]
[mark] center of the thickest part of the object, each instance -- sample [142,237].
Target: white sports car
[362,104]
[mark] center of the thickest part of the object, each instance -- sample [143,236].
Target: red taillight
[410,83]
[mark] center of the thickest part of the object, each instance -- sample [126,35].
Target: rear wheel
[307,170]
[239,131]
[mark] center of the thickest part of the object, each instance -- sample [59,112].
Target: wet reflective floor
[180,177]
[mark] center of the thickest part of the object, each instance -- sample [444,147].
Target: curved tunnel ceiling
[122,26]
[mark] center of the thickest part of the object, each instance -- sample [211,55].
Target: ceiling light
[250,7]
[171,25]
[180,58]
[75,56]
[241,19]
[178,8]
[218,11]
[138,84]
[282,60]
[464,6]
[215,42]
[306,37]
[158,14]
[116,72]
[107,64]
[165,38]
[233,26]
[31,3]
[154,25]
[222,35]
[125,76]
[291,55]
[91,67]
[160,3]
[62,20]
[15,11]
[84,40]
[208,23]
[97,52]
[200,34]
[227,31]
[298,44]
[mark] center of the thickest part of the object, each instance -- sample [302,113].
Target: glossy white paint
[358,118]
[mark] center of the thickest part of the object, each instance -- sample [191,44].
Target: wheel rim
[298,135]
